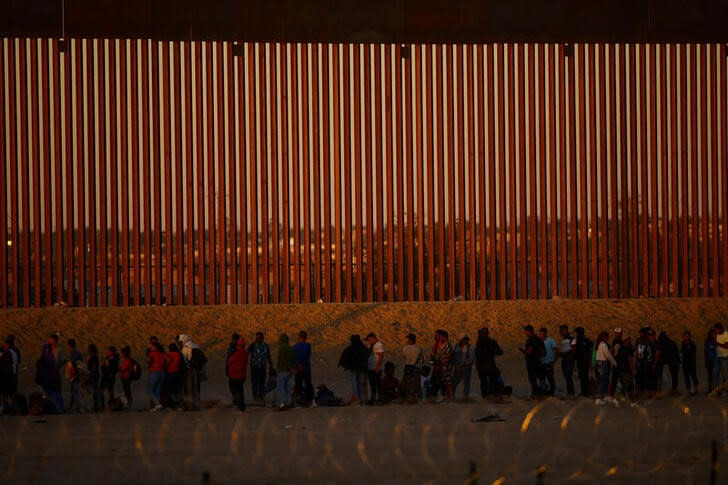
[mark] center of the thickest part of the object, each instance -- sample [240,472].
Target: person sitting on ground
[463,359]
[374,368]
[689,358]
[237,369]
[156,360]
[486,350]
[671,359]
[355,359]
[604,361]
[109,369]
[389,385]
[547,361]
[533,351]
[413,360]
[286,370]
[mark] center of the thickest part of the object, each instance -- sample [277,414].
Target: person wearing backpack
[354,359]
[533,351]
[129,371]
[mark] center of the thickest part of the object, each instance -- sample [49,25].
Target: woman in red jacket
[157,362]
[237,367]
[173,380]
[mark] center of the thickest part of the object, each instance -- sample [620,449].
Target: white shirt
[377,349]
[603,354]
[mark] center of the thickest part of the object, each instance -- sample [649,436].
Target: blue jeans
[56,398]
[283,388]
[154,385]
[75,396]
[357,390]
[464,377]
[601,369]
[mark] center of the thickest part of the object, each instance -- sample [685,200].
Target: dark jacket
[46,373]
[689,355]
[355,357]
[670,351]
[286,359]
[109,369]
[486,350]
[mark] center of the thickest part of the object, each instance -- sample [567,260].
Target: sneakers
[612,401]
[156,408]
[601,402]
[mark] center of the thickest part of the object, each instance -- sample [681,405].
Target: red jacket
[237,363]
[174,362]
[125,369]
[156,361]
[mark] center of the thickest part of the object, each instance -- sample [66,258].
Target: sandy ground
[668,440]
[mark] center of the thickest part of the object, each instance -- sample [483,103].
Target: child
[126,371]
[173,381]
[689,352]
[389,387]
[237,369]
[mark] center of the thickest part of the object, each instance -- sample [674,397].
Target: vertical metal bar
[179,226]
[155,191]
[34,228]
[244,101]
[252,174]
[285,166]
[10,72]
[592,281]
[338,275]
[91,157]
[723,151]
[502,260]
[472,181]
[274,164]
[263,160]
[348,274]
[644,167]
[492,163]
[47,177]
[694,180]
[189,157]
[267,171]
[113,176]
[563,219]
[401,63]
[441,281]
[604,232]
[483,164]
[368,162]
[539,211]
[169,186]
[684,182]
[296,159]
[451,200]
[573,205]
[325,228]
[316,171]
[459,264]
[147,149]
[358,254]
[219,165]
[231,135]
[664,232]
[653,287]
[430,212]
[201,279]
[420,279]
[511,171]
[124,172]
[80,175]
[522,226]
[624,232]
[306,163]
[674,174]
[409,175]
[703,184]
[388,99]
[532,237]
[634,233]
[13,172]
[714,221]
[135,215]
[379,177]
[610,64]
[212,162]
[582,213]
[548,213]
[57,180]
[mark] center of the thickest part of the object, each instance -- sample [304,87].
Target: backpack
[136,370]
[197,359]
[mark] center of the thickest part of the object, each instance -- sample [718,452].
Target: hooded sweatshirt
[286,359]
[187,346]
[237,363]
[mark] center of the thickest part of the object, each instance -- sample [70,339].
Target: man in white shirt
[376,362]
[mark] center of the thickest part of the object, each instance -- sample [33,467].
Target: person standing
[583,348]
[547,361]
[8,375]
[126,373]
[93,381]
[10,341]
[375,365]
[443,370]
[463,359]
[617,343]
[286,369]
[109,369]
[174,380]
[355,360]
[413,360]
[195,362]
[47,374]
[567,352]
[604,361]
[232,348]
[689,354]
[260,363]
[626,368]
[486,350]
[156,361]
[671,359]
[302,355]
[533,351]
[237,368]
[720,371]
[73,376]
[710,354]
